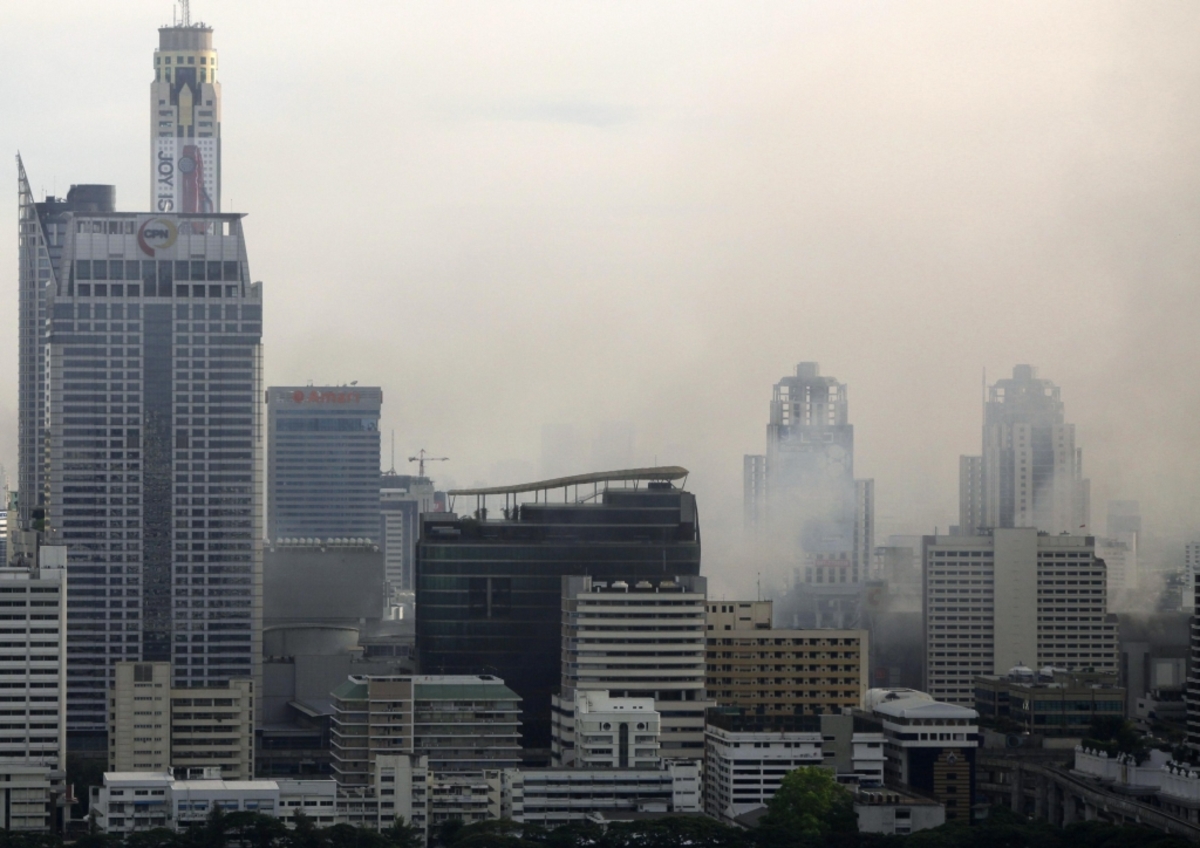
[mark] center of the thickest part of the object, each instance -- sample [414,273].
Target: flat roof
[658,472]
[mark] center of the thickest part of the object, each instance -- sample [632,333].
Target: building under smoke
[803,506]
[1030,473]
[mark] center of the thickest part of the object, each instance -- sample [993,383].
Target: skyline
[558,203]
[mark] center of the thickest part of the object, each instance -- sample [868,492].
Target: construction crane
[421,458]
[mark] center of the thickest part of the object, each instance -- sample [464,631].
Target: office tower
[153,462]
[155,726]
[462,723]
[929,745]
[402,499]
[185,121]
[1049,702]
[776,671]
[323,462]
[1119,546]
[636,639]
[489,590]
[1030,473]
[1013,598]
[1193,677]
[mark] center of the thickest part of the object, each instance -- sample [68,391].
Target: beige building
[153,726]
[784,672]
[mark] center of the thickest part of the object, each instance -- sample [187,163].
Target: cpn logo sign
[156,234]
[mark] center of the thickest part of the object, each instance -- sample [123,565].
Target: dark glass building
[489,587]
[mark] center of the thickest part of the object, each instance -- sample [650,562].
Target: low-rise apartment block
[156,727]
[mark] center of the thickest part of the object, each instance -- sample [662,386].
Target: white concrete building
[890,811]
[607,732]
[556,796]
[1120,555]
[135,801]
[639,640]
[1011,598]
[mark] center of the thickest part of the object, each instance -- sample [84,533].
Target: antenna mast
[185,13]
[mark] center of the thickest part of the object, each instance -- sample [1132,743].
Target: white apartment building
[607,732]
[155,727]
[557,796]
[638,640]
[135,801]
[1011,598]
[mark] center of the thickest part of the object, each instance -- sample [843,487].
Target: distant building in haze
[1031,472]
[323,462]
[802,500]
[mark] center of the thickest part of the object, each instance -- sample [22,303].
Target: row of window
[162,290]
[160,271]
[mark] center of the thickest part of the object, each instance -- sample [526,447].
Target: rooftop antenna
[393,471]
[185,13]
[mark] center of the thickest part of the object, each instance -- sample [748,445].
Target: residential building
[185,121]
[929,746]
[1031,472]
[1048,702]
[781,671]
[461,723]
[636,639]
[1011,598]
[323,462]
[489,586]
[551,797]
[129,802]
[607,732]
[32,685]
[157,726]
[402,500]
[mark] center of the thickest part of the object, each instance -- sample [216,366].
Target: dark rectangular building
[489,587]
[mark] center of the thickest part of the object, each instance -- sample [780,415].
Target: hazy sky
[513,215]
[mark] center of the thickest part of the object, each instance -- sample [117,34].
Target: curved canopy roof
[658,472]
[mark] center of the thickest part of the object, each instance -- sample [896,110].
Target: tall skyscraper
[323,462]
[801,497]
[489,586]
[141,429]
[1031,472]
[185,121]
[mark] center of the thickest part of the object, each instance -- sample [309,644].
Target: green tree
[401,834]
[810,803]
[305,834]
[674,832]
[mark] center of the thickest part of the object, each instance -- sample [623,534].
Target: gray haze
[625,221]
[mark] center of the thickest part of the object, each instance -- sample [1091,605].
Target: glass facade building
[151,439]
[323,462]
[489,590]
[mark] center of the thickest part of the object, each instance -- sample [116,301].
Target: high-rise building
[802,499]
[140,429]
[489,586]
[636,639]
[1031,472]
[153,462]
[1192,696]
[1191,569]
[185,121]
[323,462]
[776,671]
[1012,598]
